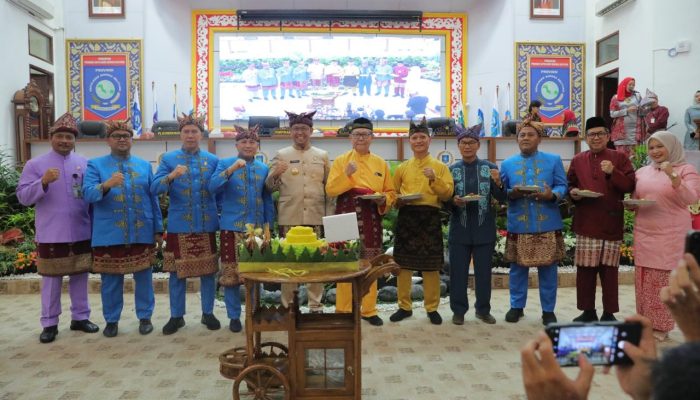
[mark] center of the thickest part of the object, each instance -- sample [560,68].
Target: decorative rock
[270,297]
[387,294]
[416,292]
[303,294]
[330,296]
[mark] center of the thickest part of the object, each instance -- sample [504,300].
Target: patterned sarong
[535,249]
[191,254]
[369,221]
[592,252]
[58,259]
[123,259]
[418,243]
[229,258]
[647,288]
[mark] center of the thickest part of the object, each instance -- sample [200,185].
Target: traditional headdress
[191,119]
[595,122]
[652,95]
[361,123]
[473,132]
[114,125]
[64,123]
[302,118]
[538,126]
[422,127]
[243,133]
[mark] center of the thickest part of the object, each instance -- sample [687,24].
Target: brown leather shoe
[488,318]
[458,319]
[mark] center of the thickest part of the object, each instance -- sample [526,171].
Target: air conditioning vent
[39,8]
[605,7]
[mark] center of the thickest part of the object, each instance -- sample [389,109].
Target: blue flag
[495,117]
[508,115]
[136,114]
[480,114]
[155,105]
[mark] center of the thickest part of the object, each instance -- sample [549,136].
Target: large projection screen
[341,76]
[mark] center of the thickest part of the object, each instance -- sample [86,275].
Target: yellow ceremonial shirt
[409,179]
[372,173]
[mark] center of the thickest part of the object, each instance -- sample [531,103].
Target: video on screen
[596,342]
[380,77]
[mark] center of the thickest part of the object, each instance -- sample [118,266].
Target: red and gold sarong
[123,259]
[368,220]
[58,259]
[191,254]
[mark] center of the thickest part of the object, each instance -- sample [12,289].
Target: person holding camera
[598,221]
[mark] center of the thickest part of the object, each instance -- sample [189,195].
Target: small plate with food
[471,197]
[638,202]
[589,193]
[410,197]
[528,188]
[375,196]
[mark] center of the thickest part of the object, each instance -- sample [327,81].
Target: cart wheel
[263,382]
[282,350]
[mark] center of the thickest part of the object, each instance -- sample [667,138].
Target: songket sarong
[191,254]
[592,252]
[369,221]
[229,258]
[535,249]
[647,289]
[58,259]
[418,243]
[123,259]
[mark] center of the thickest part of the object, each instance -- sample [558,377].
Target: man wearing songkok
[355,173]
[598,221]
[245,204]
[656,118]
[299,172]
[53,183]
[418,242]
[126,225]
[190,249]
[535,181]
[472,233]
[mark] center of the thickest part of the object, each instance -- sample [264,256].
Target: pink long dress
[659,235]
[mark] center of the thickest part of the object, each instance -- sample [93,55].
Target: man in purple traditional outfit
[52,183]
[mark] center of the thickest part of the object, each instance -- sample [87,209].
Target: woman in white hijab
[660,228]
[691,115]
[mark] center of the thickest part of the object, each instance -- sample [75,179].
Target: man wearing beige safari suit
[299,173]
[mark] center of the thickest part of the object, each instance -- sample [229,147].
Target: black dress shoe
[211,322]
[145,326]
[49,333]
[548,317]
[514,314]
[400,314]
[458,319]
[84,325]
[111,329]
[173,324]
[374,320]
[435,318]
[587,316]
[235,325]
[608,317]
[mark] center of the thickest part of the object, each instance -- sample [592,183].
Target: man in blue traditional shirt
[244,201]
[126,224]
[472,232]
[190,250]
[535,181]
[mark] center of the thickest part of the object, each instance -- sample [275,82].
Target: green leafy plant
[639,157]
[12,213]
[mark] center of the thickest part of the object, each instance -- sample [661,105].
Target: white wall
[14,69]
[648,28]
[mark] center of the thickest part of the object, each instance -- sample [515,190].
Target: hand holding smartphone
[599,341]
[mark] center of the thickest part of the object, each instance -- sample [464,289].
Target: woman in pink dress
[660,228]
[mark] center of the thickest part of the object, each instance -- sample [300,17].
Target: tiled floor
[408,360]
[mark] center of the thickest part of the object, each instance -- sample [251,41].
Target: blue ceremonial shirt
[245,199]
[527,215]
[192,207]
[475,223]
[126,214]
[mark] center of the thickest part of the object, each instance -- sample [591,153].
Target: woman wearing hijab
[660,228]
[691,115]
[626,129]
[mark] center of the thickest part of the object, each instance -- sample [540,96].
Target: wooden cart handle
[379,266]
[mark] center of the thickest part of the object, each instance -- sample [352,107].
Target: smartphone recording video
[599,341]
[692,244]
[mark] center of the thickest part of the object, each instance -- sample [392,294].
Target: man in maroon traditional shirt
[598,180]
[657,117]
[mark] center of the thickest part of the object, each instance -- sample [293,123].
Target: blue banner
[105,87]
[550,83]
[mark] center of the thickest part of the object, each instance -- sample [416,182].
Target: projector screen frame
[206,23]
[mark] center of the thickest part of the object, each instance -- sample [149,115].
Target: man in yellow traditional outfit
[356,173]
[423,183]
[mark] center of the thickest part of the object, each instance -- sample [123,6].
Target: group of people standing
[103,216]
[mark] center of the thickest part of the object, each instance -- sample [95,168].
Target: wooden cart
[323,356]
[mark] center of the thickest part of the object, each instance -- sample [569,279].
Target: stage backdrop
[452,26]
[103,76]
[553,73]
